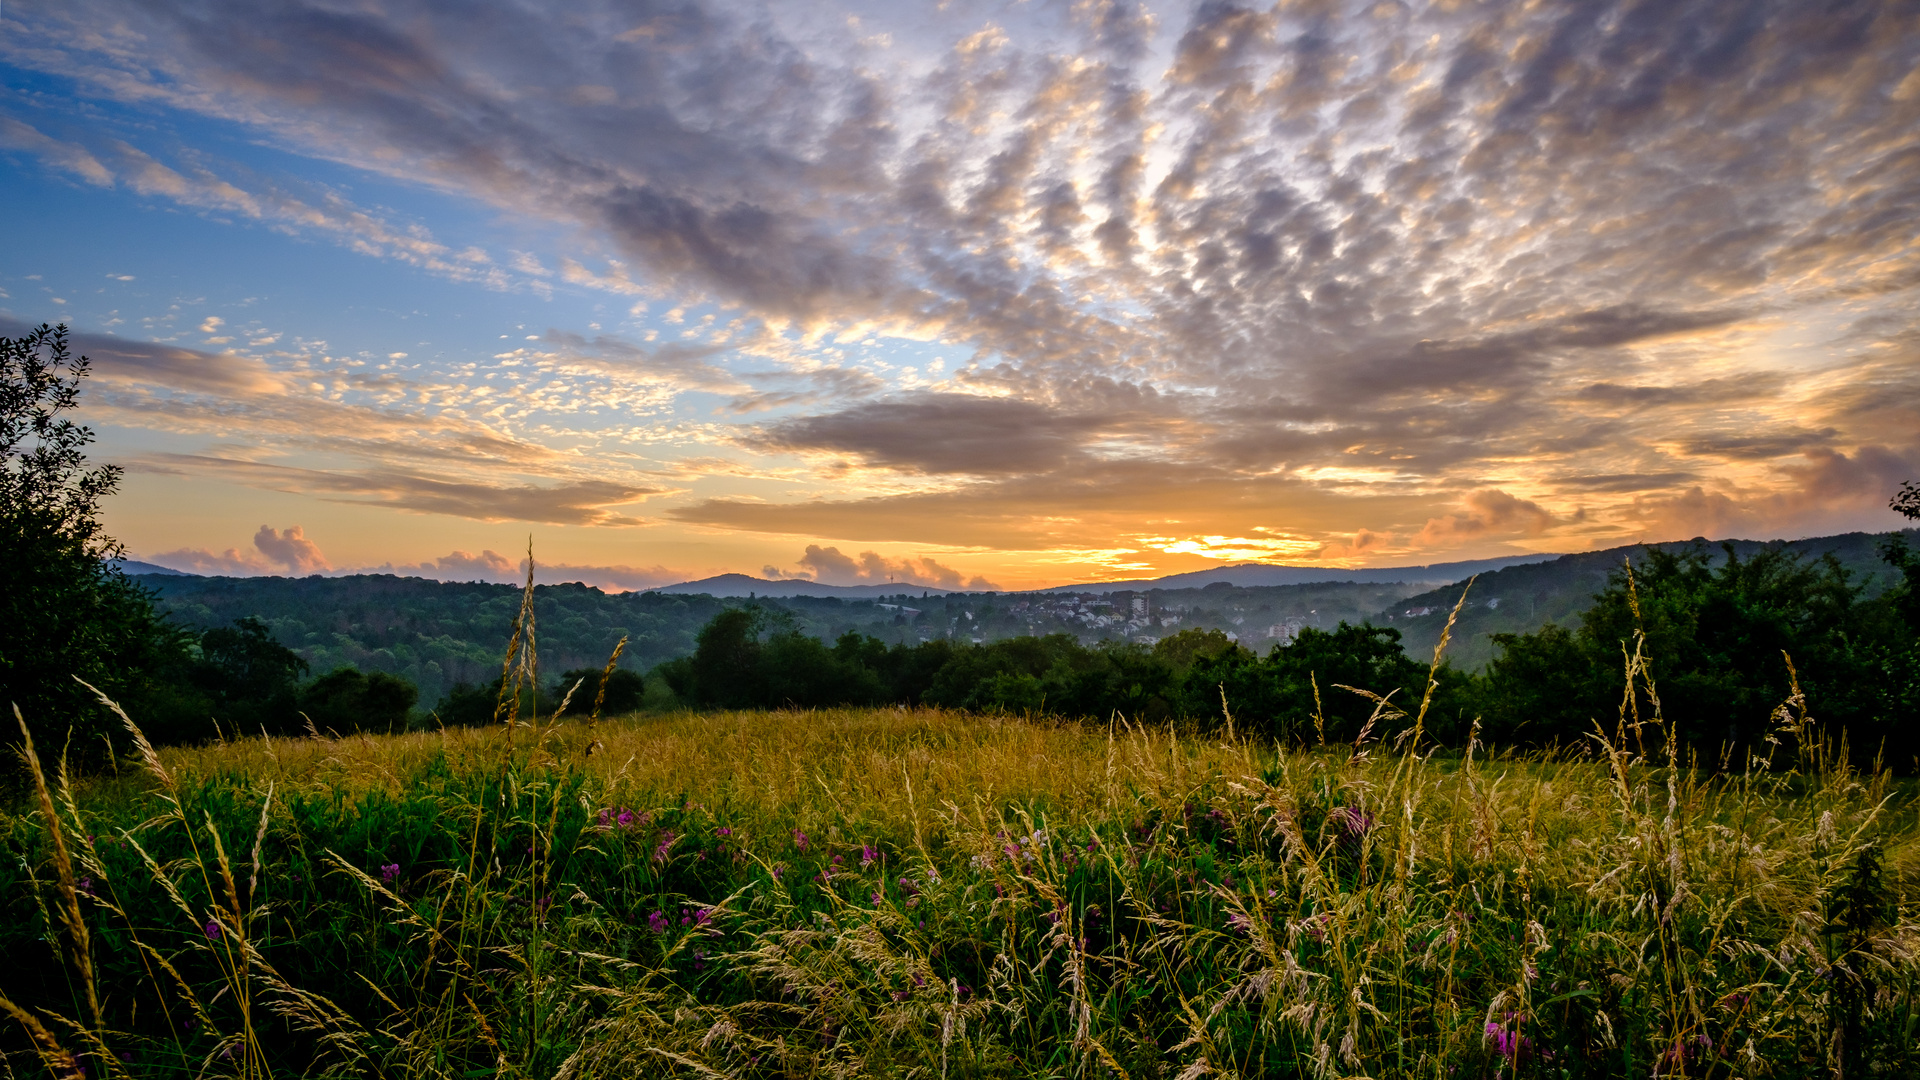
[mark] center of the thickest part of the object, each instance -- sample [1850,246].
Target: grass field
[919,893]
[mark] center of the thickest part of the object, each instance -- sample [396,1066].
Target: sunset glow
[968,295]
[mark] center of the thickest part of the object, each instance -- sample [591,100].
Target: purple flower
[1355,821]
[868,856]
[213,930]
[390,873]
[657,922]
[666,845]
[604,815]
[625,818]
[723,831]
[799,839]
[878,899]
[702,916]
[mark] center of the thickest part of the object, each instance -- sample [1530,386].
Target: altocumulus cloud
[1457,273]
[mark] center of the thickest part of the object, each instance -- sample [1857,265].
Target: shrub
[626,691]
[346,700]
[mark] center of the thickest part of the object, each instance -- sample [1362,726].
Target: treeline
[1726,643]
[437,634]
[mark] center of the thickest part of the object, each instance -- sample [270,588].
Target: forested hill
[438,633]
[1519,599]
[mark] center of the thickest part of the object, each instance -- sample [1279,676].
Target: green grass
[922,893]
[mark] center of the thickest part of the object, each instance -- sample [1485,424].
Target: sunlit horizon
[969,296]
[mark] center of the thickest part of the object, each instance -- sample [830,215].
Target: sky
[999,295]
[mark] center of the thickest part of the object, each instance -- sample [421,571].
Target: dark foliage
[1721,640]
[626,691]
[65,611]
[751,658]
[345,700]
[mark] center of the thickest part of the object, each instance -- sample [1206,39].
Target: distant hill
[439,633]
[734,586]
[1244,575]
[135,566]
[1521,599]
[1257,575]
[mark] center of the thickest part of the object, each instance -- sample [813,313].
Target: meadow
[896,892]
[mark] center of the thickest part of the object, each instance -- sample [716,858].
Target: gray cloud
[941,433]
[583,502]
[830,566]
[1333,244]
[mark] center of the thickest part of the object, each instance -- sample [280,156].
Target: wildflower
[657,922]
[879,898]
[84,885]
[723,831]
[912,900]
[799,839]
[625,818]
[702,916]
[868,856]
[390,873]
[604,815]
[1238,923]
[1354,820]
[213,930]
[666,844]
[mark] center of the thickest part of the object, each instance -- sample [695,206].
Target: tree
[1906,501]
[251,678]
[1718,639]
[347,700]
[65,609]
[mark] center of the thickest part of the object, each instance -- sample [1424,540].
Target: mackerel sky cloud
[1003,293]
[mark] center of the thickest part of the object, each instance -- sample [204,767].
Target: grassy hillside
[1520,599]
[888,892]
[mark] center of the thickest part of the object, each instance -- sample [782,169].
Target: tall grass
[921,893]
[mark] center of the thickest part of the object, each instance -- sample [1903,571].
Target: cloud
[1823,490]
[230,563]
[291,552]
[66,156]
[1364,542]
[1313,267]
[491,566]
[1487,511]
[830,567]
[939,433]
[291,549]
